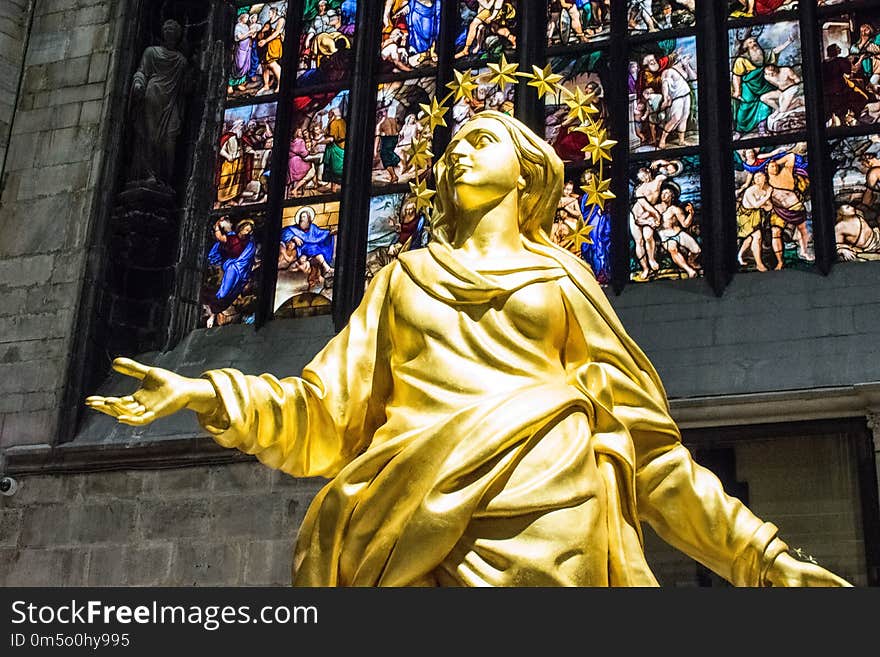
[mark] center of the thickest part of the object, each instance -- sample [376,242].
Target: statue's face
[483,163]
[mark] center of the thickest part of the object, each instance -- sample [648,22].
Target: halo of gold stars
[583,110]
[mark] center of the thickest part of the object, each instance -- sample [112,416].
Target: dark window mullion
[821,187]
[532,50]
[715,131]
[277,181]
[618,125]
[354,211]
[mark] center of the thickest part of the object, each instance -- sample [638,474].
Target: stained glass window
[486,28]
[257,47]
[856,182]
[316,151]
[664,219]
[230,280]
[773,207]
[410,29]
[663,88]
[647,16]
[243,156]
[588,71]
[759,8]
[640,61]
[397,224]
[766,80]
[306,259]
[486,95]
[400,125]
[576,215]
[326,41]
[851,68]
[577,21]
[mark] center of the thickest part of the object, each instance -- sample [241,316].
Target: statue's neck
[492,231]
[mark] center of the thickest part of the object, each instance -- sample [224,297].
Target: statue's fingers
[130,367]
[123,408]
[137,420]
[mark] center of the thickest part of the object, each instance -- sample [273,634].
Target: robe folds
[486,427]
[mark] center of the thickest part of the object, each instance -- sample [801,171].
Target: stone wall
[14,19]
[229,525]
[55,153]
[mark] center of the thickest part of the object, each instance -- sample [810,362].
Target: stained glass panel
[577,21]
[396,226]
[665,219]
[587,72]
[766,84]
[486,28]
[398,127]
[753,8]
[326,48]
[257,45]
[306,260]
[856,183]
[652,16]
[851,69]
[486,95]
[230,280]
[409,34]
[242,171]
[774,226]
[662,84]
[574,215]
[317,149]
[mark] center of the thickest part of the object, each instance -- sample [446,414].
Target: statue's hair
[541,168]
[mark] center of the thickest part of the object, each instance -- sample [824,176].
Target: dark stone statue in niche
[156,106]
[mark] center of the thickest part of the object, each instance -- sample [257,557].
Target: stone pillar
[873,417]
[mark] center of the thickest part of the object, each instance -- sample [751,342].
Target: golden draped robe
[486,428]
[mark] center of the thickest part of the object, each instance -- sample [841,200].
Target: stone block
[28,428]
[78,94]
[182,518]
[13,301]
[178,482]
[45,47]
[46,525]
[241,477]
[21,153]
[44,7]
[30,376]
[106,566]
[206,564]
[57,22]
[126,484]
[91,112]
[87,39]
[257,515]
[10,527]
[52,180]
[35,225]
[268,563]
[149,565]
[99,13]
[111,521]
[98,66]
[41,349]
[34,327]
[67,145]
[66,567]
[70,72]
[69,266]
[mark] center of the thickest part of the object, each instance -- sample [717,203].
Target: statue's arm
[687,506]
[311,425]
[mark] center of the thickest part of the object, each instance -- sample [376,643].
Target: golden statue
[483,419]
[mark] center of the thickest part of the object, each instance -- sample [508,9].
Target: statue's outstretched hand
[788,571]
[162,393]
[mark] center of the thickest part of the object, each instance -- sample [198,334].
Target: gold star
[598,191]
[420,154]
[463,85]
[435,113]
[581,105]
[505,73]
[544,80]
[599,147]
[581,235]
[422,194]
